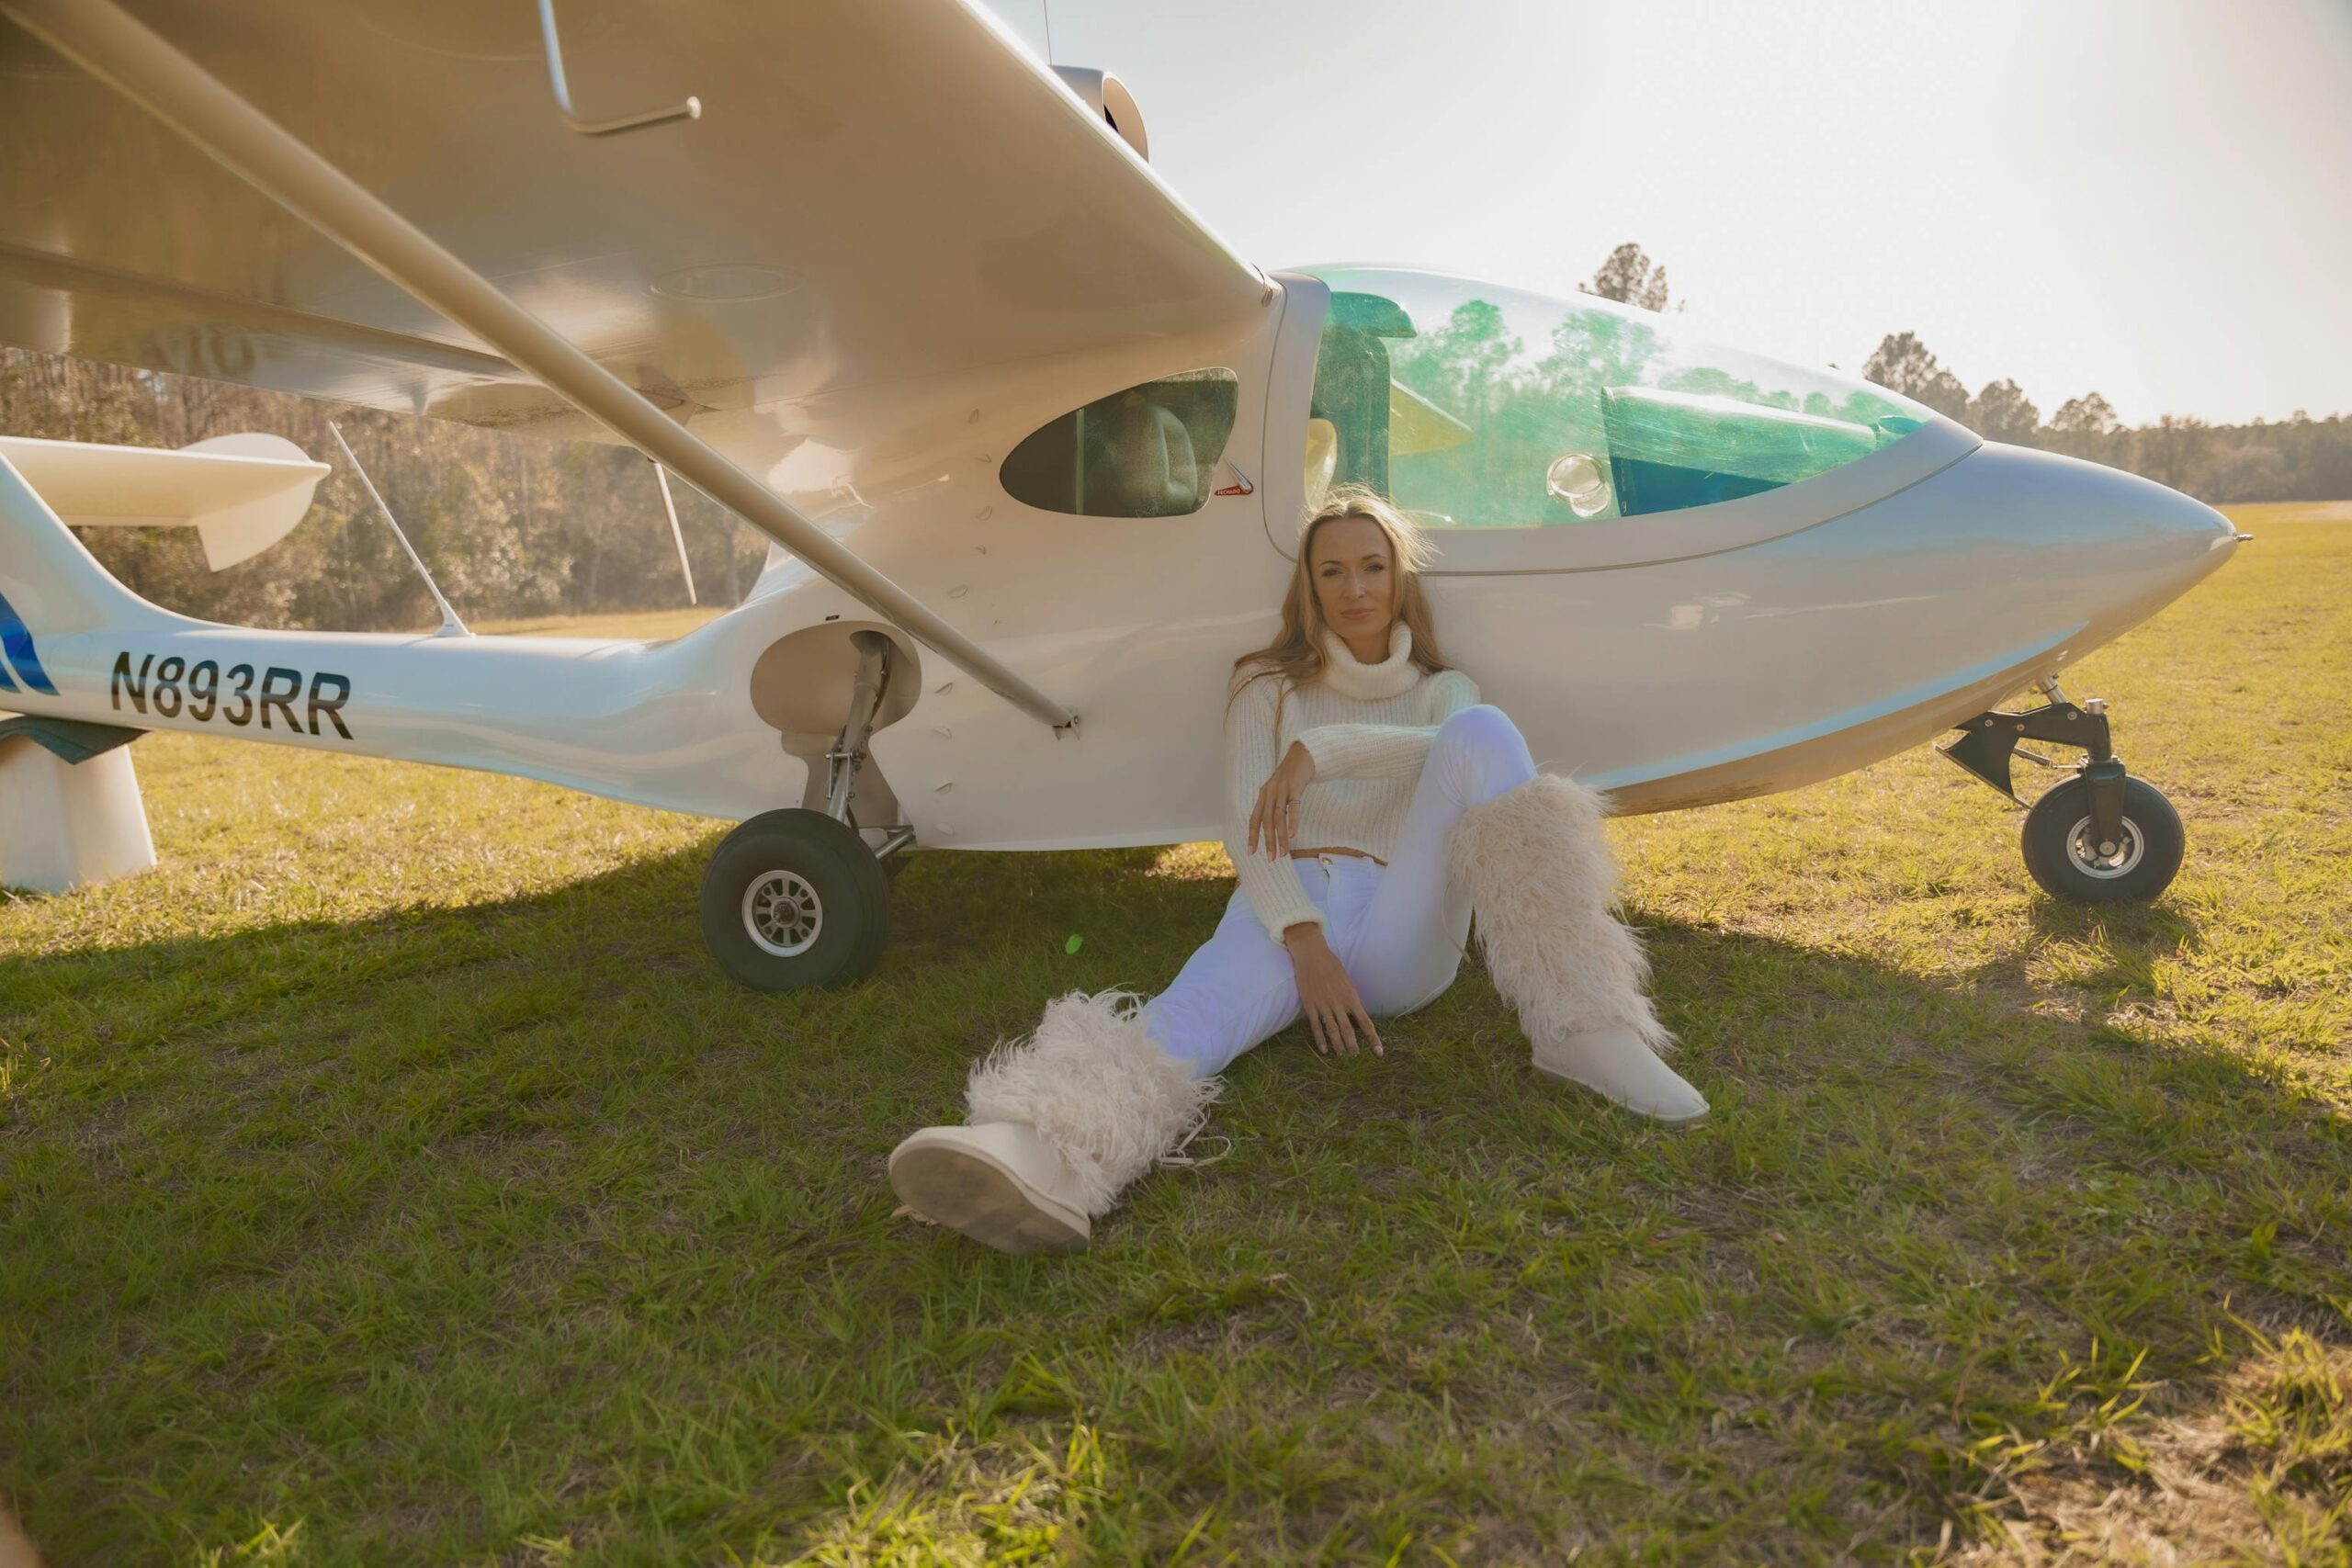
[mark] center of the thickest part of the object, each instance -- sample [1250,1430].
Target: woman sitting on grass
[1372,804]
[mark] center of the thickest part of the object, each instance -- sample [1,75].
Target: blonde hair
[1296,653]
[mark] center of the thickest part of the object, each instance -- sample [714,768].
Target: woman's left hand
[1275,820]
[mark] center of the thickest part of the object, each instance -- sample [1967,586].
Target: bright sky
[2151,199]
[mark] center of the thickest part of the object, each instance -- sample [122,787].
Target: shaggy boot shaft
[1540,881]
[1106,1098]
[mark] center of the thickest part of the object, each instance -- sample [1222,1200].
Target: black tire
[2061,857]
[793,899]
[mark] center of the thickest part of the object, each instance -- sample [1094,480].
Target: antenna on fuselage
[450,625]
[677,535]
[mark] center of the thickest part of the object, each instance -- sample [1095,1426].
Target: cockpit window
[1149,451]
[1472,406]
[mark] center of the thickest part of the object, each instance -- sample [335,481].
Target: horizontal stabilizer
[241,493]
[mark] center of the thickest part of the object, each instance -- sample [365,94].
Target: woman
[1371,805]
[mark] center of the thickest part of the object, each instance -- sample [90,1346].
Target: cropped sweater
[1368,728]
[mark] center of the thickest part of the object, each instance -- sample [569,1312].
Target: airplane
[1031,443]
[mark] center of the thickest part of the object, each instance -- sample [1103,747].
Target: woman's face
[1355,579]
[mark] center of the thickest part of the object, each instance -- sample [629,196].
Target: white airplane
[1030,440]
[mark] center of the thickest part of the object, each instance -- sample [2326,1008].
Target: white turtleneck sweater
[1368,727]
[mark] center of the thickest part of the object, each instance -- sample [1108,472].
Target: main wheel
[793,899]
[2139,864]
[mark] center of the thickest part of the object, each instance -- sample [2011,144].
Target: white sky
[2151,199]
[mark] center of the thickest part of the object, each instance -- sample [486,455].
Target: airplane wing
[874,193]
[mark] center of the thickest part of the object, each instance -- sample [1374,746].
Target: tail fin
[49,579]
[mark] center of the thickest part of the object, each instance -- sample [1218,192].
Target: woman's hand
[1335,1014]
[1275,817]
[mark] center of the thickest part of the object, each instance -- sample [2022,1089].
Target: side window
[1150,451]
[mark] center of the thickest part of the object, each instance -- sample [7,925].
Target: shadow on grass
[529,1194]
[2150,928]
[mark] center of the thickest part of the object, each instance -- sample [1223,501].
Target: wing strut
[105,40]
[677,535]
[450,625]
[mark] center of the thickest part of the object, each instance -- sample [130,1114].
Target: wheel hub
[782,914]
[2108,860]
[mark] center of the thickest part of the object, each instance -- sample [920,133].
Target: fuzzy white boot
[1540,881]
[1000,1183]
[1061,1123]
[1617,1063]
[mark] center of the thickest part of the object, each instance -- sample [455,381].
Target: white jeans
[1398,930]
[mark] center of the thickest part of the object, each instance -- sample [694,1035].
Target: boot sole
[970,1192]
[1661,1121]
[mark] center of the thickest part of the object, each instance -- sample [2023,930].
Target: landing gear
[2072,861]
[794,899]
[798,898]
[2099,837]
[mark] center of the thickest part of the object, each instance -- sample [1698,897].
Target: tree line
[511,525]
[514,526]
[2299,459]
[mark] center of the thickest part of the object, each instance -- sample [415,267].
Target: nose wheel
[2069,856]
[2099,837]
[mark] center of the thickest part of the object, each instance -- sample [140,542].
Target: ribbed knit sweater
[1368,727]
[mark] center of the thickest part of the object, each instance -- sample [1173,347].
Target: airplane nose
[2196,524]
[2134,544]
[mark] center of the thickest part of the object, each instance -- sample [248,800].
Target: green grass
[388,1176]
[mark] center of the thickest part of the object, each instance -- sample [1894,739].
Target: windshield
[1474,406]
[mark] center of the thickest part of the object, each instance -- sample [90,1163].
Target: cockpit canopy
[1474,406]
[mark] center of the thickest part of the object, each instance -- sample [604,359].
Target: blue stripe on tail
[19,642]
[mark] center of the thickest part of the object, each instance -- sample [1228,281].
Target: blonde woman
[1373,804]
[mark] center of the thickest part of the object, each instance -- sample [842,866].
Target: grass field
[390,1177]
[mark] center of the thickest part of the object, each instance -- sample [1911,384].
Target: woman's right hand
[1275,817]
[1335,1013]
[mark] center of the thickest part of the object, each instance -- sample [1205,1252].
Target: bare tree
[1630,277]
[1903,366]
[2086,415]
[2087,427]
[2002,413]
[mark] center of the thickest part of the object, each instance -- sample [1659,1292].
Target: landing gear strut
[797,898]
[2099,837]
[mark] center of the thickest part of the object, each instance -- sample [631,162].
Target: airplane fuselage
[1677,656]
